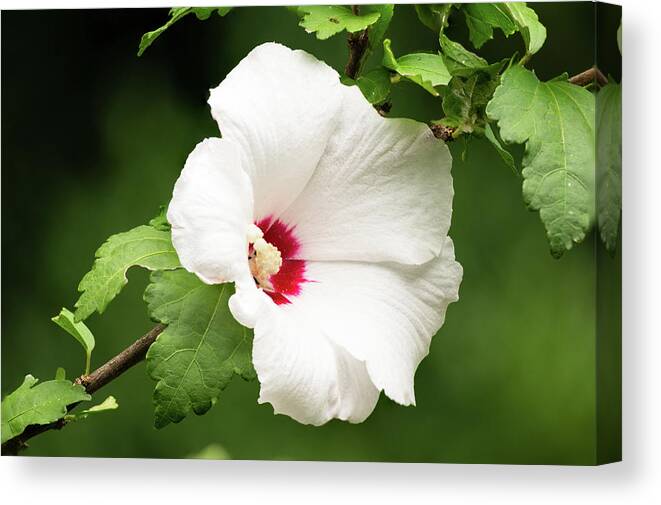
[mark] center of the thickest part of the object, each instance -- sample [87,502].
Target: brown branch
[130,356]
[106,373]
[445,133]
[589,76]
[358,43]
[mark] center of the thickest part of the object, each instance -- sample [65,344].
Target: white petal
[248,302]
[279,105]
[306,376]
[384,314]
[211,211]
[382,191]
[358,395]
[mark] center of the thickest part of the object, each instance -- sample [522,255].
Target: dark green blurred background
[93,139]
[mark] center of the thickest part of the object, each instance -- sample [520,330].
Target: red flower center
[286,283]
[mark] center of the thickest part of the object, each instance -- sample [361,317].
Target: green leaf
[143,246]
[222,11]
[375,85]
[527,22]
[433,16]
[327,20]
[426,70]
[195,357]
[462,62]
[457,104]
[505,155]
[556,121]
[37,404]
[160,222]
[60,374]
[482,18]
[108,404]
[458,57]
[79,331]
[465,100]
[562,77]
[177,13]
[377,31]
[609,163]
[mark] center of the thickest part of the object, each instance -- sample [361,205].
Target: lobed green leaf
[327,20]
[555,120]
[143,246]
[177,13]
[195,357]
[426,70]
[482,18]
[34,403]
[527,22]
[509,17]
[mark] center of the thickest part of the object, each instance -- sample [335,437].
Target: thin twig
[106,373]
[358,44]
[589,76]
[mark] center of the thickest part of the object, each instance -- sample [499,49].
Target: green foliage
[462,62]
[424,69]
[482,18]
[465,100]
[457,57]
[327,20]
[492,294]
[378,30]
[143,246]
[609,163]
[194,359]
[555,119]
[504,154]
[160,222]
[527,22]
[177,13]
[375,34]
[108,404]
[60,374]
[79,331]
[434,16]
[34,403]
[509,17]
[375,85]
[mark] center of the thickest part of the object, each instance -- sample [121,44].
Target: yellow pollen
[265,261]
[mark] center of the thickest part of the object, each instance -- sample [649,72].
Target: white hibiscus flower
[332,222]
